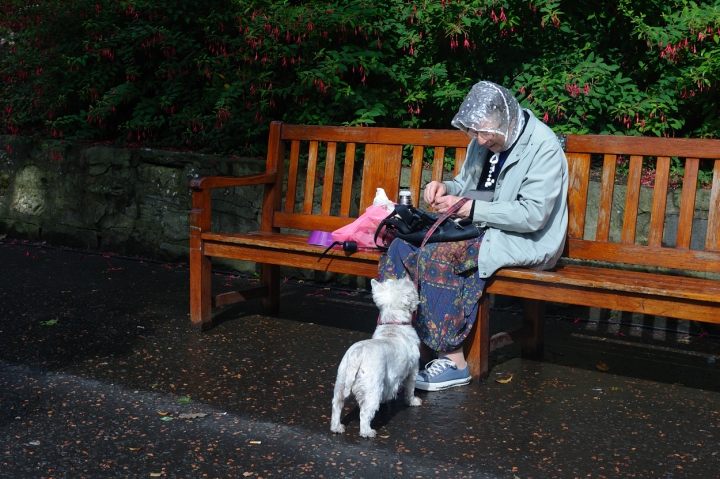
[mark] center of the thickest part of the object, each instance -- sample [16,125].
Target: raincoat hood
[491,108]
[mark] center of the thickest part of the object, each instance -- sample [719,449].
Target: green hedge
[211,75]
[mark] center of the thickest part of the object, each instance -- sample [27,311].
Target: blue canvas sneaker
[442,374]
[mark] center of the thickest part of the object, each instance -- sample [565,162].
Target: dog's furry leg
[338,400]
[369,405]
[410,398]
[337,405]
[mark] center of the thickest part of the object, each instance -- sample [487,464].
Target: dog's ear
[374,283]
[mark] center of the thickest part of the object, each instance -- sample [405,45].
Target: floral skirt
[448,284]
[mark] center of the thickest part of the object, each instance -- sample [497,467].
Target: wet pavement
[101,376]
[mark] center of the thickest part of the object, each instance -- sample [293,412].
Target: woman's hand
[433,191]
[435,196]
[443,203]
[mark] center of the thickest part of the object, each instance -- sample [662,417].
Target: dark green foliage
[211,75]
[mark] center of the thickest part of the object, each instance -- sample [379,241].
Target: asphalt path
[102,376]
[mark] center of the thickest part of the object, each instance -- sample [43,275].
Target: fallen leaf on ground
[191,415]
[503,377]
[184,400]
[166,418]
[163,413]
[602,366]
[51,322]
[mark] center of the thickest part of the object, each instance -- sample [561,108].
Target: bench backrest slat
[272,194]
[381,136]
[297,221]
[662,257]
[310,176]
[292,177]
[348,171]
[632,200]
[657,216]
[643,146]
[438,164]
[329,173]
[712,240]
[607,188]
[687,203]
[416,169]
[381,169]
[579,172]
[459,160]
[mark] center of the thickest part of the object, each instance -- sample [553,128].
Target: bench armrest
[210,182]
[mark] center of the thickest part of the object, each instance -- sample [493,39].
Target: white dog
[373,370]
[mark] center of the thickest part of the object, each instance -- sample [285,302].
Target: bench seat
[591,282]
[290,250]
[611,288]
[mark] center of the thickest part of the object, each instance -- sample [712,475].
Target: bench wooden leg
[534,315]
[270,276]
[477,344]
[200,290]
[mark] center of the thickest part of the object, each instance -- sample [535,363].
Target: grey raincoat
[527,219]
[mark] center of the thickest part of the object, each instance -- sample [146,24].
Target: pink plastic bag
[362,230]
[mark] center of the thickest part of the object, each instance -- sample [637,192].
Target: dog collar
[393,322]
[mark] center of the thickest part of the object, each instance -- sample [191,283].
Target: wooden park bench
[657,273]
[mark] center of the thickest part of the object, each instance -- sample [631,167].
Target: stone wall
[128,201]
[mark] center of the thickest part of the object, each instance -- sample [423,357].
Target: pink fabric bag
[362,230]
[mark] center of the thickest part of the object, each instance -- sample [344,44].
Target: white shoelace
[437,367]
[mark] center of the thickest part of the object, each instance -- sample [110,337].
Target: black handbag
[419,227]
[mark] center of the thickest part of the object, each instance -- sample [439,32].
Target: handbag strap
[450,211]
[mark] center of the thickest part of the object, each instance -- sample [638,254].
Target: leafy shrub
[212,75]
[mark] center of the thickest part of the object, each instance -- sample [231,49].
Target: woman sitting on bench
[516,174]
